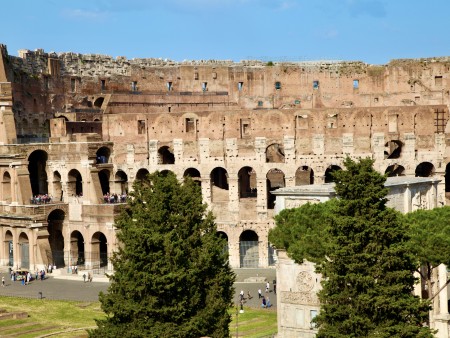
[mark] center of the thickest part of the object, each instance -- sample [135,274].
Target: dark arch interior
[275,153]
[329,173]
[247,183]
[219,178]
[98,102]
[395,170]
[304,176]
[102,155]
[37,162]
[248,235]
[141,174]
[166,156]
[425,169]
[103,176]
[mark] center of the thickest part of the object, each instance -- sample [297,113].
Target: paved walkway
[72,287]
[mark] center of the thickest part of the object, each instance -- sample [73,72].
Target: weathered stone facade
[79,126]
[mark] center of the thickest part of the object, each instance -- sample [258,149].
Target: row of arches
[92,251]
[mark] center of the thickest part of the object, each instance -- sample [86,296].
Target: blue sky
[373,31]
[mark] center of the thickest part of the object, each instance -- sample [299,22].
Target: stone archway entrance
[37,163]
[249,249]
[77,249]
[9,248]
[55,238]
[24,247]
[99,251]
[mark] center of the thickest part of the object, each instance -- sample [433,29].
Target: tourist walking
[3,281]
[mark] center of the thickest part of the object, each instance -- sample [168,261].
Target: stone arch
[395,170]
[121,182]
[425,169]
[330,170]
[24,248]
[37,165]
[77,249]
[6,187]
[35,125]
[55,222]
[166,172]
[275,153]
[393,149]
[141,174]
[99,102]
[247,183]
[274,179]
[99,250]
[194,174]
[102,155]
[9,247]
[74,183]
[57,186]
[249,249]
[104,176]
[165,155]
[304,175]
[219,185]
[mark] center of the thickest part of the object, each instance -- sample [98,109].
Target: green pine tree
[368,279]
[172,277]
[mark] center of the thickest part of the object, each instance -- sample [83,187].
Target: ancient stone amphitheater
[77,130]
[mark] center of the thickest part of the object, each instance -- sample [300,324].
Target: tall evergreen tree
[171,273]
[368,281]
[363,255]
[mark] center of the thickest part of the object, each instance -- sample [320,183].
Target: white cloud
[77,13]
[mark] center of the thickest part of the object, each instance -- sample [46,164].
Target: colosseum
[77,130]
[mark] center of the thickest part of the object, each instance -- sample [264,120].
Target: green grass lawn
[46,316]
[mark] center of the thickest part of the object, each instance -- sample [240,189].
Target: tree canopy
[171,273]
[362,254]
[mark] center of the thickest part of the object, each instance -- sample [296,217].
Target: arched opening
[165,156]
[247,183]
[102,155]
[37,162]
[57,186]
[99,253]
[74,183]
[166,172]
[395,170]
[99,102]
[9,248]
[249,249]
[6,187]
[121,182]
[275,153]
[55,238]
[219,185]
[393,149]
[194,174]
[77,256]
[224,236]
[274,180]
[425,169]
[141,174]
[103,176]
[24,247]
[447,180]
[329,173]
[304,176]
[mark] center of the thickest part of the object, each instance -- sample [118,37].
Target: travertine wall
[242,129]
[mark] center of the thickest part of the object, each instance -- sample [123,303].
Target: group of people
[41,199]
[115,198]
[265,300]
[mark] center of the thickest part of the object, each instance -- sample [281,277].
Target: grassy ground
[51,316]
